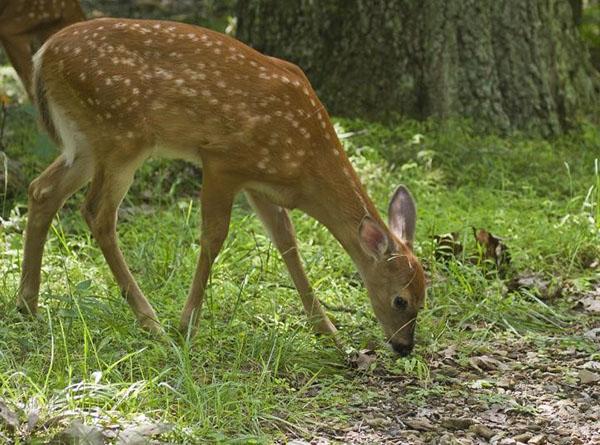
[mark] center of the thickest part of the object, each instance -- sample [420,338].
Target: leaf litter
[527,391]
[515,391]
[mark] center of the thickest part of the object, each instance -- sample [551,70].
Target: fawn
[113,92]
[26,24]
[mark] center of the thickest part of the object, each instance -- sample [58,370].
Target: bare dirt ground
[523,390]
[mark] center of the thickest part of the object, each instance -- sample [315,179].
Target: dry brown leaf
[591,365]
[363,359]
[588,377]
[487,363]
[141,434]
[420,424]
[593,334]
[547,289]
[457,423]
[538,439]
[450,352]
[32,419]
[447,246]
[591,303]
[482,431]
[8,417]
[523,437]
[80,434]
[492,247]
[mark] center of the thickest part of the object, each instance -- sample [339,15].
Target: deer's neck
[342,206]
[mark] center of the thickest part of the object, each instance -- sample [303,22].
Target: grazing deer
[113,92]
[26,24]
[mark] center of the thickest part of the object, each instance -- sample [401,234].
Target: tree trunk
[515,65]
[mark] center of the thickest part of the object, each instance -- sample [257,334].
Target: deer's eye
[400,303]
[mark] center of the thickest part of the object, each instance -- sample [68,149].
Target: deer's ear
[402,215]
[373,238]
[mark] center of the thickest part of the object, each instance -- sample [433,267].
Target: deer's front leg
[217,199]
[281,230]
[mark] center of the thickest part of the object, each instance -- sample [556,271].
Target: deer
[26,24]
[114,92]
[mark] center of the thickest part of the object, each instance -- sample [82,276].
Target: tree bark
[514,65]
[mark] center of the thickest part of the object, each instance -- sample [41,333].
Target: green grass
[256,372]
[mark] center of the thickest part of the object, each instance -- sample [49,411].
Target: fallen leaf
[593,334]
[486,363]
[420,424]
[447,246]
[588,377]
[80,434]
[539,439]
[481,384]
[492,247]
[592,365]
[505,382]
[482,431]
[363,359]
[377,422]
[523,437]
[8,417]
[591,304]
[140,435]
[544,287]
[454,423]
[32,419]
[450,352]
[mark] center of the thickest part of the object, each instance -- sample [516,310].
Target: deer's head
[395,279]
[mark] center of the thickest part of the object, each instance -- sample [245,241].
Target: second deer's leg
[47,193]
[108,187]
[217,199]
[19,53]
[279,226]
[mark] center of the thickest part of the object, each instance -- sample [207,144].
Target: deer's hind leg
[112,177]
[47,194]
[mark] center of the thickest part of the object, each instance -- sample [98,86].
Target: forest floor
[510,390]
[507,351]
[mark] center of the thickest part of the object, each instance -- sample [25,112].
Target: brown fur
[41,103]
[123,90]
[27,24]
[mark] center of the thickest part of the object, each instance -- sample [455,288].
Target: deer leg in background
[19,53]
[218,193]
[111,180]
[281,230]
[47,194]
